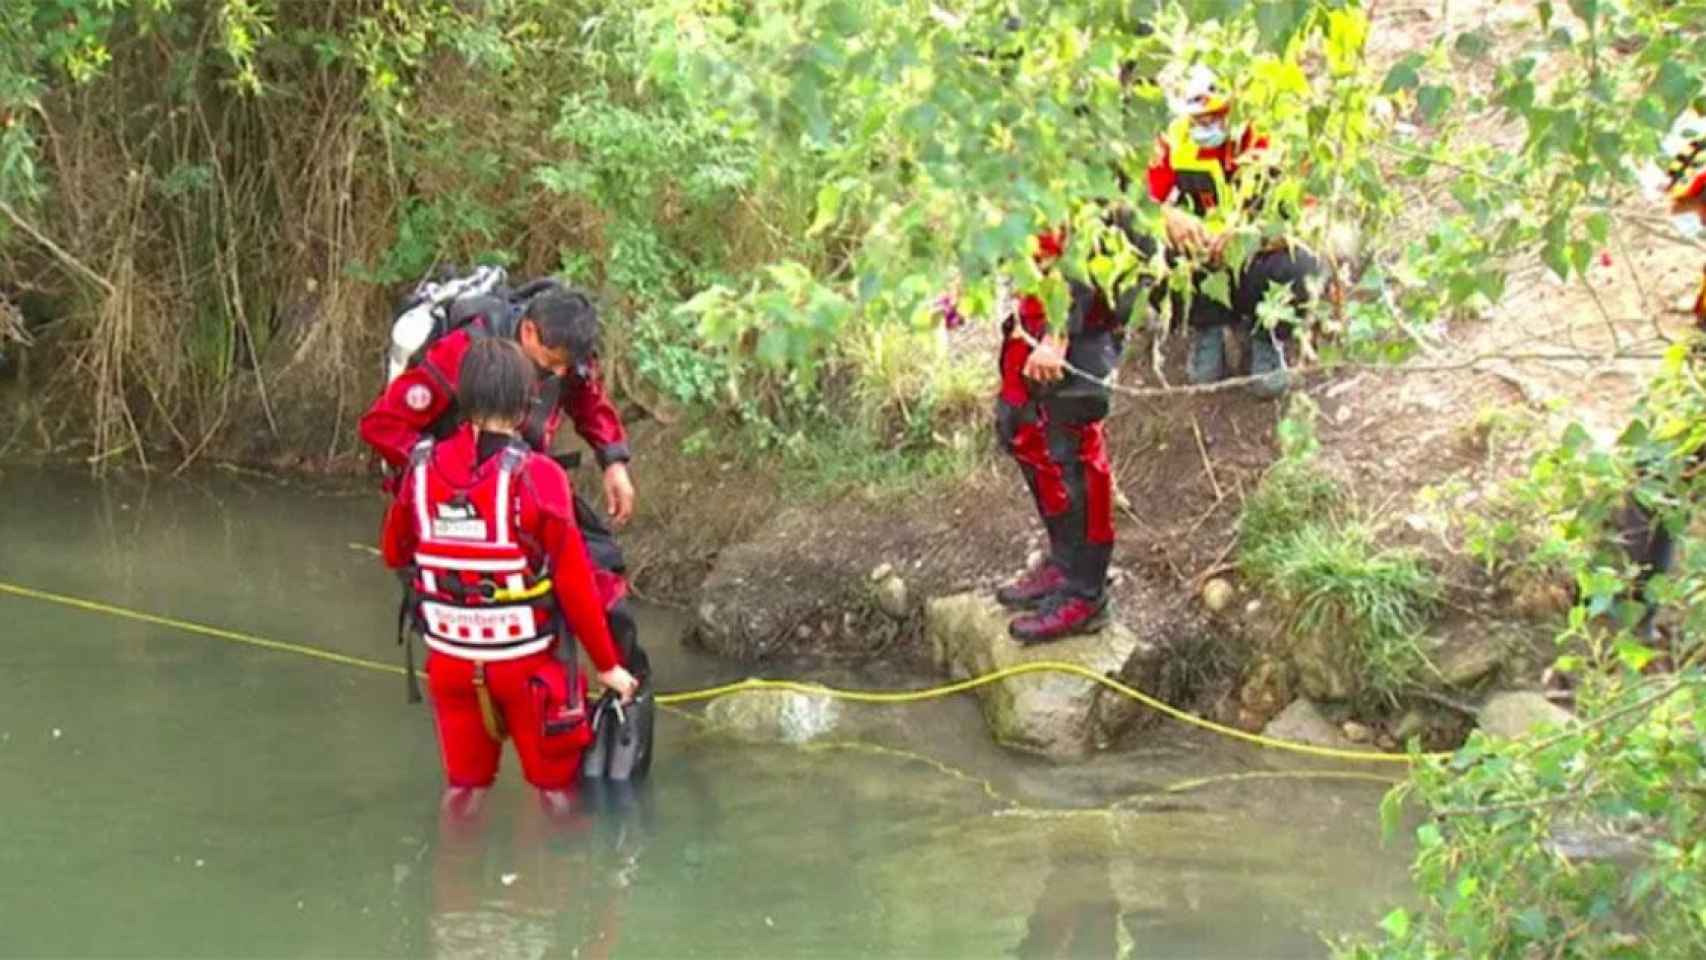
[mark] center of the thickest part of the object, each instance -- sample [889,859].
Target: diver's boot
[1207,360]
[1068,616]
[1031,590]
[1267,361]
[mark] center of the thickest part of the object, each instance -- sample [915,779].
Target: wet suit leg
[1080,451]
[1043,477]
[1066,467]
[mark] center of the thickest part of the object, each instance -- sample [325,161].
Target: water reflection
[546,880]
[1077,914]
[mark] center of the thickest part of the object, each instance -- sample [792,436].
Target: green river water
[165,794]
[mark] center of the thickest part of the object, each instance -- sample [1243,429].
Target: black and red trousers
[1065,465]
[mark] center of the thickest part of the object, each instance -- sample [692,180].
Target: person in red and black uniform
[499,580]
[1682,181]
[1199,168]
[558,332]
[1052,424]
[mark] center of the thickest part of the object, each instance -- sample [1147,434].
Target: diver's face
[546,360]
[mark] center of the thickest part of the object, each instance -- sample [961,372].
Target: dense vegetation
[206,207]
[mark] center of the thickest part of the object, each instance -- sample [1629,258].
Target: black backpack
[438,307]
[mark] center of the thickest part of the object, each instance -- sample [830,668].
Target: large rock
[1047,713]
[1514,714]
[1462,663]
[1322,669]
[1303,722]
[775,715]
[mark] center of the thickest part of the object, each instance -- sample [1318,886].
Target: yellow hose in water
[755,683]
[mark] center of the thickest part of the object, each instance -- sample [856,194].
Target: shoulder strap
[510,460]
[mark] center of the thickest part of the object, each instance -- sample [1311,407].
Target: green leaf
[1277,21]
[1531,923]
[1392,811]
[1634,655]
[1403,75]
[1674,86]
[1397,924]
[1432,100]
[1217,287]
[1472,45]
[828,208]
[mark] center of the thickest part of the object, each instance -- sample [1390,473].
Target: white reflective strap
[501,534]
[423,517]
[429,581]
[516,584]
[472,565]
[486,654]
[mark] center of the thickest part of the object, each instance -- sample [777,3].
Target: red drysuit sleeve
[595,418]
[413,401]
[571,572]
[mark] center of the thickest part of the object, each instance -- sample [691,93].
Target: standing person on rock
[1052,425]
[499,581]
[1203,171]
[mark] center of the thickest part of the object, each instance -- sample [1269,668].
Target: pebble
[1356,732]
[1217,594]
[508,879]
[57,733]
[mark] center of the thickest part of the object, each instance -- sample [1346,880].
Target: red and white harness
[478,596]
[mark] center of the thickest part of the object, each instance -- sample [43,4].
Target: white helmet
[1201,93]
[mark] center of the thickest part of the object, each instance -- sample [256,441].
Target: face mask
[1212,135]
[1688,224]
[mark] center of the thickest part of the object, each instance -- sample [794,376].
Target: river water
[167,794]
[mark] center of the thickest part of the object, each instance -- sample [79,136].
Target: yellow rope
[1039,666]
[206,631]
[754,683]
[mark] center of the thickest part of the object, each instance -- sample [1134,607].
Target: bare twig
[58,251]
[1208,467]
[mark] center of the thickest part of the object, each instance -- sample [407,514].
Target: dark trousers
[1650,545]
[1286,266]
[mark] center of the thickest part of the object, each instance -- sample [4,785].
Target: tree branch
[58,251]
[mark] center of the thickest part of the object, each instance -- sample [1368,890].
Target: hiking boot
[1068,616]
[1267,361]
[1029,591]
[1207,362]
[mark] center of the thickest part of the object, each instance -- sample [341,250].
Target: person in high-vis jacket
[1203,165]
[499,579]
